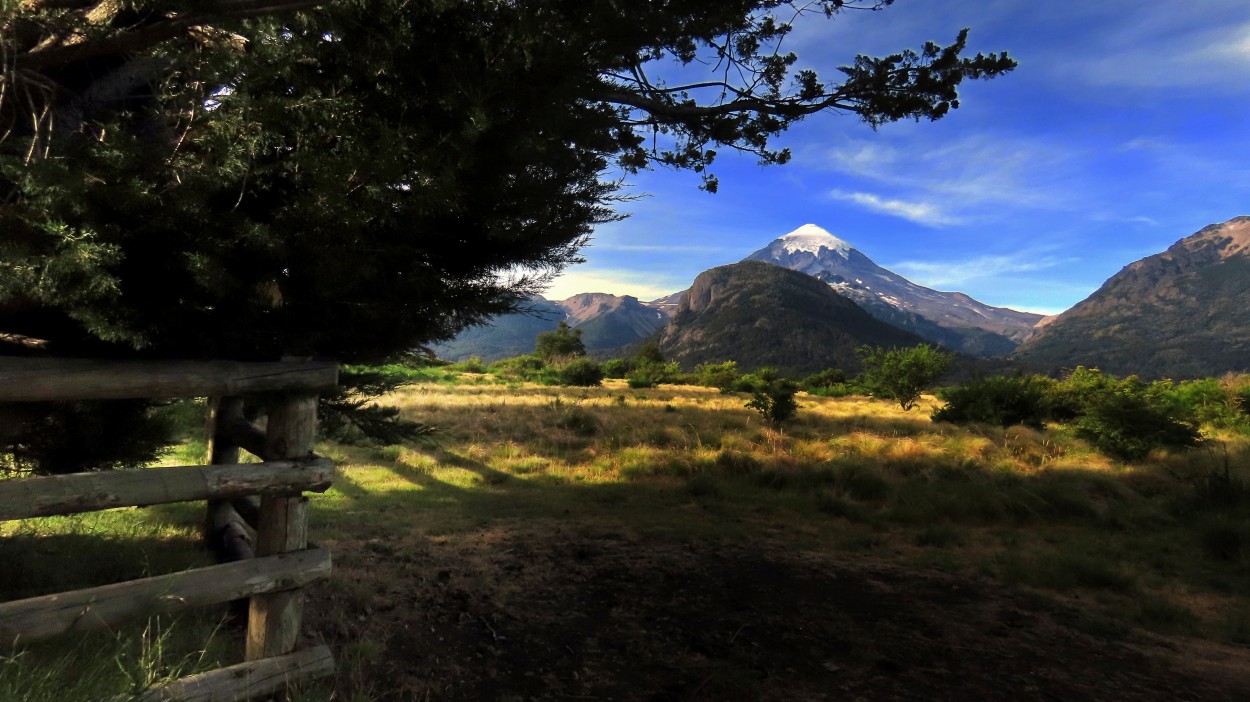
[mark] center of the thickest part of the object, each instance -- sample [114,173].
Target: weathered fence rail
[272,581]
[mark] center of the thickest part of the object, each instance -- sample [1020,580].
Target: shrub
[1002,400]
[837,390]
[828,378]
[472,364]
[775,402]
[1208,401]
[615,368]
[1130,422]
[639,381]
[901,374]
[716,375]
[758,381]
[1239,389]
[581,372]
[1070,398]
[521,367]
[651,374]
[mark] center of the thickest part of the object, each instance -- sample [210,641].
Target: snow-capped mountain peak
[952,319]
[812,238]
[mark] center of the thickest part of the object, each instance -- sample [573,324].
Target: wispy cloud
[1159,54]
[1127,219]
[971,177]
[919,212]
[947,274]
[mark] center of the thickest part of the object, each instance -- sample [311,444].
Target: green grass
[1161,544]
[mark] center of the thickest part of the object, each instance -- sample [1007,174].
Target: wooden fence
[274,567]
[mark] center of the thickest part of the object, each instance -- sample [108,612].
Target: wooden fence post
[274,620]
[224,529]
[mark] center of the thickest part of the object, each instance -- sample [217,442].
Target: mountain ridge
[1180,313]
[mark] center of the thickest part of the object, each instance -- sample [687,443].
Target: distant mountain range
[763,315]
[608,323]
[1182,313]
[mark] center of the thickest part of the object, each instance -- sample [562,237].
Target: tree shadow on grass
[40,564]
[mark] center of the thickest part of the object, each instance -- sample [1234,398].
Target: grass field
[516,473]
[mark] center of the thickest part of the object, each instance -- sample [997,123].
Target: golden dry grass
[1041,508]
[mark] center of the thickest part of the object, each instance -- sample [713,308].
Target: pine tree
[351,179]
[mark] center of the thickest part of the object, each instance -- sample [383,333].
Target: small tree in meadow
[775,402]
[562,342]
[901,374]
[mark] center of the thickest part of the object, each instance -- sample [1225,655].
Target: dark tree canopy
[259,178]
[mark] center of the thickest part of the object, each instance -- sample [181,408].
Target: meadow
[616,542]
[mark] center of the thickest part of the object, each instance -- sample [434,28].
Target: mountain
[951,319]
[668,303]
[1182,313]
[607,322]
[763,315]
[505,336]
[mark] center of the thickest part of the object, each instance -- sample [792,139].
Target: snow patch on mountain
[811,238]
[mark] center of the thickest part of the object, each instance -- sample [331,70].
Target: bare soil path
[562,612]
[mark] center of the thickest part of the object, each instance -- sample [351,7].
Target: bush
[581,372]
[1208,401]
[838,390]
[518,366]
[775,402]
[1239,389]
[651,373]
[640,381]
[828,378]
[1070,398]
[901,374]
[716,375]
[1131,421]
[1002,400]
[615,368]
[758,381]
[472,364]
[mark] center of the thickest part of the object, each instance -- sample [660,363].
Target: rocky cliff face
[1181,313]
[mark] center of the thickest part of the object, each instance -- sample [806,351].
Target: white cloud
[1167,53]
[919,212]
[1127,219]
[972,177]
[957,274]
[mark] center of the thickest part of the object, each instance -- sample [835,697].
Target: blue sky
[1125,128]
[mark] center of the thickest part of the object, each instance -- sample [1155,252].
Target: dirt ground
[553,613]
